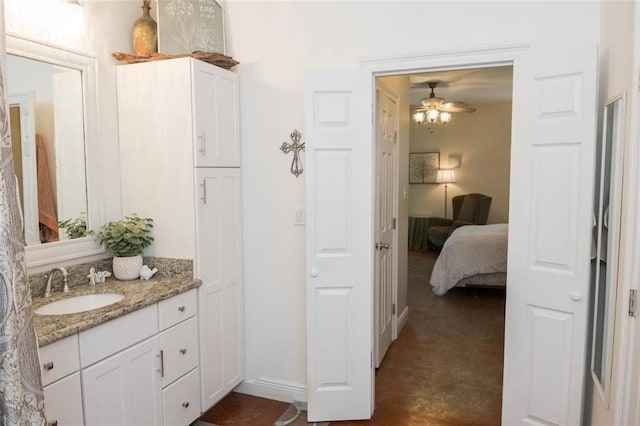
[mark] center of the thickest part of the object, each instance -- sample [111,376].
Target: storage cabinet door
[124,389]
[63,402]
[221,294]
[215,109]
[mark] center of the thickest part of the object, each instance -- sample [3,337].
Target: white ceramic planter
[127,268]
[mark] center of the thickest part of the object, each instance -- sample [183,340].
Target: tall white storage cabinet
[180,165]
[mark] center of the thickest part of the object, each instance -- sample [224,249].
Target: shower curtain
[21,397]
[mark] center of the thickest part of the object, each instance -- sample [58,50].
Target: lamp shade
[446,176]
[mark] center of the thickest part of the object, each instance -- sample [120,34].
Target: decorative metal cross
[296,147]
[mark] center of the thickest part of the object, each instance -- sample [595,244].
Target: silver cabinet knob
[181,309]
[185,404]
[314,273]
[48,366]
[576,296]
[183,351]
[382,245]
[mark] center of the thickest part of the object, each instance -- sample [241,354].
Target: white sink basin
[77,304]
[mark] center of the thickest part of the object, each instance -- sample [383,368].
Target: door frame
[478,57]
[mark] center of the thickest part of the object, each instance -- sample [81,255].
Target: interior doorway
[549,230]
[481,142]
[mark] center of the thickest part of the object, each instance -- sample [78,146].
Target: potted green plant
[126,239]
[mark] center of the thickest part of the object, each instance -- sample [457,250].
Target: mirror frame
[43,256]
[603,387]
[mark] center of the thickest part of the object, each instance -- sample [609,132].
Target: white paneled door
[552,176]
[340,247]
[386,137]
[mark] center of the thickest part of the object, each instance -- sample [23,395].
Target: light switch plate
[299,220]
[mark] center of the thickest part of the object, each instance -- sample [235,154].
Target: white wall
[483,141]
[618,52]
[276,44]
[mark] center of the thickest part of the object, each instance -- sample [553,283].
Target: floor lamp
[446,176]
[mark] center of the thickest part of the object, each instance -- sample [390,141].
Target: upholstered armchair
[469,209]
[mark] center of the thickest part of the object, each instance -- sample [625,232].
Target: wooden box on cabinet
[191,187]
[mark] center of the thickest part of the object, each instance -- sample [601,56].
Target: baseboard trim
[402,319]
[278,390]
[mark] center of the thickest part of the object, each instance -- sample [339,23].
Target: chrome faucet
[63,271]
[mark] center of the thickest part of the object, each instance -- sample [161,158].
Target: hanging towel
[46,205]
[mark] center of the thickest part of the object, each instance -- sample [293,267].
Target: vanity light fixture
[71,19]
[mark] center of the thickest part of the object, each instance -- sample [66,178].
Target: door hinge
[633,302]
[394,309]
[394,223]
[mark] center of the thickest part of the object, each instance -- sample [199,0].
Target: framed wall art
[423,167]
[188,25]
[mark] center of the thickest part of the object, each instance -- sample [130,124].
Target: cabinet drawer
[177,309]
[181,400]
[63,402]
[59,359]
[106,339]
[179,346]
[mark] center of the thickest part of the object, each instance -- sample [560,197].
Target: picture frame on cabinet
[185,26]
[423,167]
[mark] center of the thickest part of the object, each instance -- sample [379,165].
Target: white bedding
[470,250]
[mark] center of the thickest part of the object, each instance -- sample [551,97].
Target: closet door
[218,264]
[215,107]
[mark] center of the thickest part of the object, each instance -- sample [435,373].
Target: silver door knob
[382,245]
[576,296]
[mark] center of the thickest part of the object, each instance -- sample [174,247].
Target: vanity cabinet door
[215,115]
[125,388]
[63,402]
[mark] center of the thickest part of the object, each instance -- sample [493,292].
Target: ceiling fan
[435,111]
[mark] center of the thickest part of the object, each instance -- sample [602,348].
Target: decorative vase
[127,268]
[145,32]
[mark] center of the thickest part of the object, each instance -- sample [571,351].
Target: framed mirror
[606,240]
[53,110]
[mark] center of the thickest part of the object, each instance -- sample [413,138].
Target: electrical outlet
[299,221]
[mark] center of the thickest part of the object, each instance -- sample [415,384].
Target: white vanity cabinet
[60,365]
[179,153]
[138,369]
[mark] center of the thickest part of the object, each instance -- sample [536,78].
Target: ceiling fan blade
[456,107]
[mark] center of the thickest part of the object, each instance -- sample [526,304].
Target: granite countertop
[137,295]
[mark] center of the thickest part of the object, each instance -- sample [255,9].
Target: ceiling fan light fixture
[435,111]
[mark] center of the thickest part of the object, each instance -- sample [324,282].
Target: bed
[472,255]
